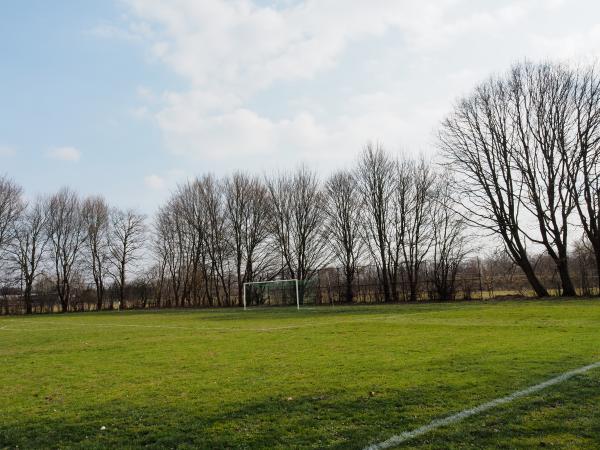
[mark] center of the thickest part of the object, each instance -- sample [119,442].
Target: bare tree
[191,226]
[28,247]
[247,213]
[11,206]
[297,216]
[413,224]
[376,181]
[449,239]
[158,251]
[216,241]
[343,225]
[95,215]
[67,234]
[480,143]
[585,171]
[541,109]
[128,230]
[172,251]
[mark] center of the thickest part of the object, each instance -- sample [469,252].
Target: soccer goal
[274,292]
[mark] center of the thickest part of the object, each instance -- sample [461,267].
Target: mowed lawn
[341,377]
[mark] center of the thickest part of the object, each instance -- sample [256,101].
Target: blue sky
[126,98]
[62,86]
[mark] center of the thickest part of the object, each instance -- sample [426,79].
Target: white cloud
[145,94]
[582,44]
[243,137]
[154,182]
[7,151]
[229,52]
[108,31]
[140,113]
[242,63]
[238,46]
[167,180]
[134,31]
[64,154]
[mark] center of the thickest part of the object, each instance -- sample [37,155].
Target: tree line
[65,239]
[213,235]
[518,162]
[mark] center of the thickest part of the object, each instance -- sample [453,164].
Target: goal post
[269,284]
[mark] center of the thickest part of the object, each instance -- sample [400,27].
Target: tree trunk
[240,286]
[122,286]
[597,254]
[27,296]
[536,285]
[99,295]
[568,290]
[63,295]
[413,290]
[384,275]
[28,308]
[349,290]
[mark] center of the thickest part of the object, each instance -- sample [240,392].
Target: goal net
[271,293]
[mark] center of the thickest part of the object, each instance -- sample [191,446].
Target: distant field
[342,377]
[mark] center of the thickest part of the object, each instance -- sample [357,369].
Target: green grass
[340,377]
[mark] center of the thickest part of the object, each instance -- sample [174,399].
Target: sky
[127,98]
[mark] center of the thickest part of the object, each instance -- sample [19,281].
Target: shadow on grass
[566,416]
[316,421]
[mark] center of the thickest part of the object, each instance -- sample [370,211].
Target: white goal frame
[295,280]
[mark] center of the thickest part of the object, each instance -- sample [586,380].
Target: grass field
[342,377]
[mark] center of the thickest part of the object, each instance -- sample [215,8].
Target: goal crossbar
[294,280]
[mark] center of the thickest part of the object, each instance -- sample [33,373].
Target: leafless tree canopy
[542,112]
[247,216]
[585,168]
[297,216]
[11,206]
[67,234]
[412,221]
[376,180]
[28,246]
[449,238]
[95,213]
[343,225]
[125,243]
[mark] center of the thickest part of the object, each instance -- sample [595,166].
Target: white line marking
[408,435]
